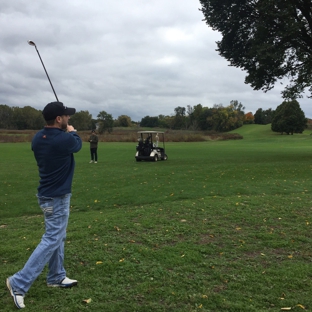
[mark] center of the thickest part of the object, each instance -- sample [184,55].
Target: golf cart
[148,149]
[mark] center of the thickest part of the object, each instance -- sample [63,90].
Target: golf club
[33,44]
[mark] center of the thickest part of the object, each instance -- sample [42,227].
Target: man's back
[53,149]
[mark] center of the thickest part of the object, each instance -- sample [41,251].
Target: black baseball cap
[54,109]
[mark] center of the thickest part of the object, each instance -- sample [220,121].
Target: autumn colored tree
[227,118]
[249,118]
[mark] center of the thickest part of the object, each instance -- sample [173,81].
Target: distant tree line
[288,117]
[29,118]
[20,118]
[218,118]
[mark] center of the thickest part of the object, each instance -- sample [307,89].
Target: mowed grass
[220,226]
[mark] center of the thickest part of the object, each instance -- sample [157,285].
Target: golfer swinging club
[53,148]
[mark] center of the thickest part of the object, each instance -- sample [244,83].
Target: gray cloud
[131,57]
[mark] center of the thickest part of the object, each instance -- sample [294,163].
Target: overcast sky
[126,57]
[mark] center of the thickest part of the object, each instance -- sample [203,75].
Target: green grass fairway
[219,226]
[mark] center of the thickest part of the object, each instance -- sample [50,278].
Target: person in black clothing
[93,146]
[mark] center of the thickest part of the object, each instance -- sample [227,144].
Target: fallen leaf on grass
[117,228]
[300,306]
[99,262]
[87,300]
[286,309]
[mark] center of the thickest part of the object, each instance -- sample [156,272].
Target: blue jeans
[51,247]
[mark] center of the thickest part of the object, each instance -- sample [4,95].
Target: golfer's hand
[70,128]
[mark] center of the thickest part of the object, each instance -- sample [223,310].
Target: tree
[6,116]
[193,123]
[270,39]
[237,106]
[289,118]
[227,118]
[163,121]
[237,112]
[220,118]
[148,121]
[179,118]
[205,121]
[106,122]
[263,117]
[123,121]
[27,118]
[82,120]
[249,118]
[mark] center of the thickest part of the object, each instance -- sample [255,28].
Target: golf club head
[31,43]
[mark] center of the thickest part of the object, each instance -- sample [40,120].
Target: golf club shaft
[32,43]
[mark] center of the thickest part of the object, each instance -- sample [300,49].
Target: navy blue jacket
[53,149]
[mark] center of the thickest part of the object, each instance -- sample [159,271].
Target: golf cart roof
[150,132]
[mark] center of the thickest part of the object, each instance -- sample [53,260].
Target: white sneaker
[95,162]
[65,283]
[91,161]
[18,298]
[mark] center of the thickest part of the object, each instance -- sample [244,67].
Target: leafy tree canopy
[82,120]
[263,117]
[249,118]
[270,39]
[149,121]
[289,118]
[105,121]
[123,121]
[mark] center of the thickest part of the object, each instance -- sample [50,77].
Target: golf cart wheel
[165,157]
[156,158]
